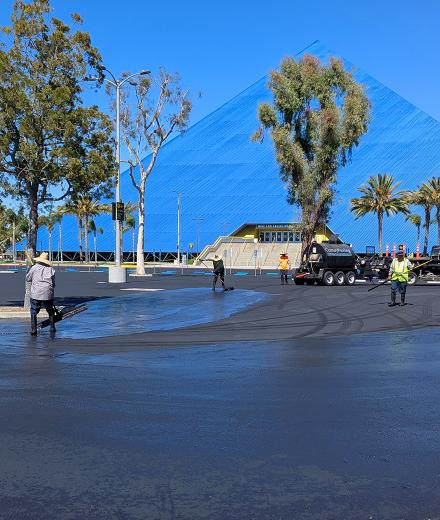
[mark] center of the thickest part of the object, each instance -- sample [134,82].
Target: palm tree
[72,207]
[13,228]
[423,197]
[434,186]
[130,224]
[379,196]
[49,221]
[84,207]
[95,230]
[417,221]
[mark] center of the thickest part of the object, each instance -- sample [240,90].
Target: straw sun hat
[43,259]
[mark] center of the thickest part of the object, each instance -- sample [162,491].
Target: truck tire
[349,278]
[328,278]
[339,278]
[412,278]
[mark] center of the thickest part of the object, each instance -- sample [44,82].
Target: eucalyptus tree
[51,145]
[161,108]
[318,115]
[379,196]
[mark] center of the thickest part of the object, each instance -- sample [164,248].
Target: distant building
[227,180]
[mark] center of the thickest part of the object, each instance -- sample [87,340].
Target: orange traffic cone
[387,250]
[418,251]
[394,250]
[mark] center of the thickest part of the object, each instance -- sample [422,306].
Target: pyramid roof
[227,180]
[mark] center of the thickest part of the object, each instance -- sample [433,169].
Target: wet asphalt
[311,403]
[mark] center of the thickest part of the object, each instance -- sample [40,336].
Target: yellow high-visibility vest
[399,270]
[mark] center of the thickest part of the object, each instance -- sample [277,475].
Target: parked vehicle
[327,264]
[425,269]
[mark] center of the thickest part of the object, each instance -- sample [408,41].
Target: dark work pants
[36,305]
[398,287]
[217,274]
[283,274]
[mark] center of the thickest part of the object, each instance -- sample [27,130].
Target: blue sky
[220,48]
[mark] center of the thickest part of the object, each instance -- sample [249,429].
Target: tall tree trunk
[50,244]
[379,223]
[426,226]
[86,237]
[80,231]
[33,220]
[94,247]
[418,236]
[32,234]
[60,248]
[140,262]
[309,228]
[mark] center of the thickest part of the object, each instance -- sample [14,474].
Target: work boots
[33,326]
[402,300]
[393,301]
[52,324]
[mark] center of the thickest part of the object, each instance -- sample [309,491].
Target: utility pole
[198,220]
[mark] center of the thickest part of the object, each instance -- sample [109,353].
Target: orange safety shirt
[284,264]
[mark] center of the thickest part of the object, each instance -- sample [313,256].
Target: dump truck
[327,263]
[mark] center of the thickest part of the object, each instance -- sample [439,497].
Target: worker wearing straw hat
[283,267]
[42,279]
[218,271]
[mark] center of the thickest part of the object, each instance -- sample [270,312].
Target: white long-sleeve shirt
[42,278]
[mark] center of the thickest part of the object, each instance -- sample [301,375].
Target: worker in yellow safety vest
[399,272]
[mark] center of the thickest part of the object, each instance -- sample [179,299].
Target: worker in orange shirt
[284,267]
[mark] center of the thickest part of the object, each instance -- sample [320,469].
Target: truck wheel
[328,278]
[412,278]
[349,278]
[299,281]
[339,278]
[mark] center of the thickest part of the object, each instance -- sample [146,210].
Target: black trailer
[327,264]
[426,268]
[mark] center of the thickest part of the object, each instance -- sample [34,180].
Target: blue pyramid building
[226,180]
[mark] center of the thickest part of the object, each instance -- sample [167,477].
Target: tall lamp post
[198,221]
[117,274]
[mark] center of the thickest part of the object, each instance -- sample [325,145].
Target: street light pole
[118,274]
[118,174]
[178,228]
[198,220]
